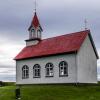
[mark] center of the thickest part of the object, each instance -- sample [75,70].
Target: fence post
[17,93]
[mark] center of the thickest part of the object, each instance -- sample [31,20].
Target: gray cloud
[66,16]
[7,66]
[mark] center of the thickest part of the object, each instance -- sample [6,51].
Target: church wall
[69,58]
[87,63]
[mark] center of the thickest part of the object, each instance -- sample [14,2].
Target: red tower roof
[35,22]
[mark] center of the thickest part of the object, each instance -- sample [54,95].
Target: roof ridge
[67,34]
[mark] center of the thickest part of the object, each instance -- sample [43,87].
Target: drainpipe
[76,68]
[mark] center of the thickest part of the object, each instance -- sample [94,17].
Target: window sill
[63,75]
[37,77]
[25,78]
[49,76]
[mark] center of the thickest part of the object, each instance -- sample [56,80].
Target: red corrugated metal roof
[56,45]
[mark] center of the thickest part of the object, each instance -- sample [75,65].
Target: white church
[69,58]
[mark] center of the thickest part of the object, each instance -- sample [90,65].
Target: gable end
[93,45]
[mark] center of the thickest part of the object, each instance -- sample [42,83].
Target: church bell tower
[35,32]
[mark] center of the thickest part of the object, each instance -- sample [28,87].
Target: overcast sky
[57,17]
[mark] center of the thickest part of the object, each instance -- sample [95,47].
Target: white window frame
[36,71]
[49,69]
[63,68]
[25,72]
[38,33]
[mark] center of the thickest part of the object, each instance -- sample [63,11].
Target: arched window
[49,70]
[63,68]
[32,31]
[25,72]
[36,71]
[38,33]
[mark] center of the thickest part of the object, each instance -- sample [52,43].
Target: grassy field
[52,92]
[7,93]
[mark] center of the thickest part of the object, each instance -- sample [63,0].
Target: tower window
[36,71]
[25,72]
[32,31]
[39,34]
[63,68]
[49,70]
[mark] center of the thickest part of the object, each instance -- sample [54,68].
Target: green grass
[7,93]
[52,92]
[8,83]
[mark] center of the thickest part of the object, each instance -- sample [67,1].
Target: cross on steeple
[85,21]
[35,5]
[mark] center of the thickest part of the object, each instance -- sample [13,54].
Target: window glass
[49,69]
[63,68]
[36,71]
[25,72]
[39,33]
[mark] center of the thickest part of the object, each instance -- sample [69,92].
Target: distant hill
[6,83]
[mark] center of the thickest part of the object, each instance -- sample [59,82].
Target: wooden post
[17,93]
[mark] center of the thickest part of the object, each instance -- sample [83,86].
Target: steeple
[35,31]
[35,28]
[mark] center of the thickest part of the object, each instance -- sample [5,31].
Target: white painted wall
[86,63]
[70,58]
[32,42]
